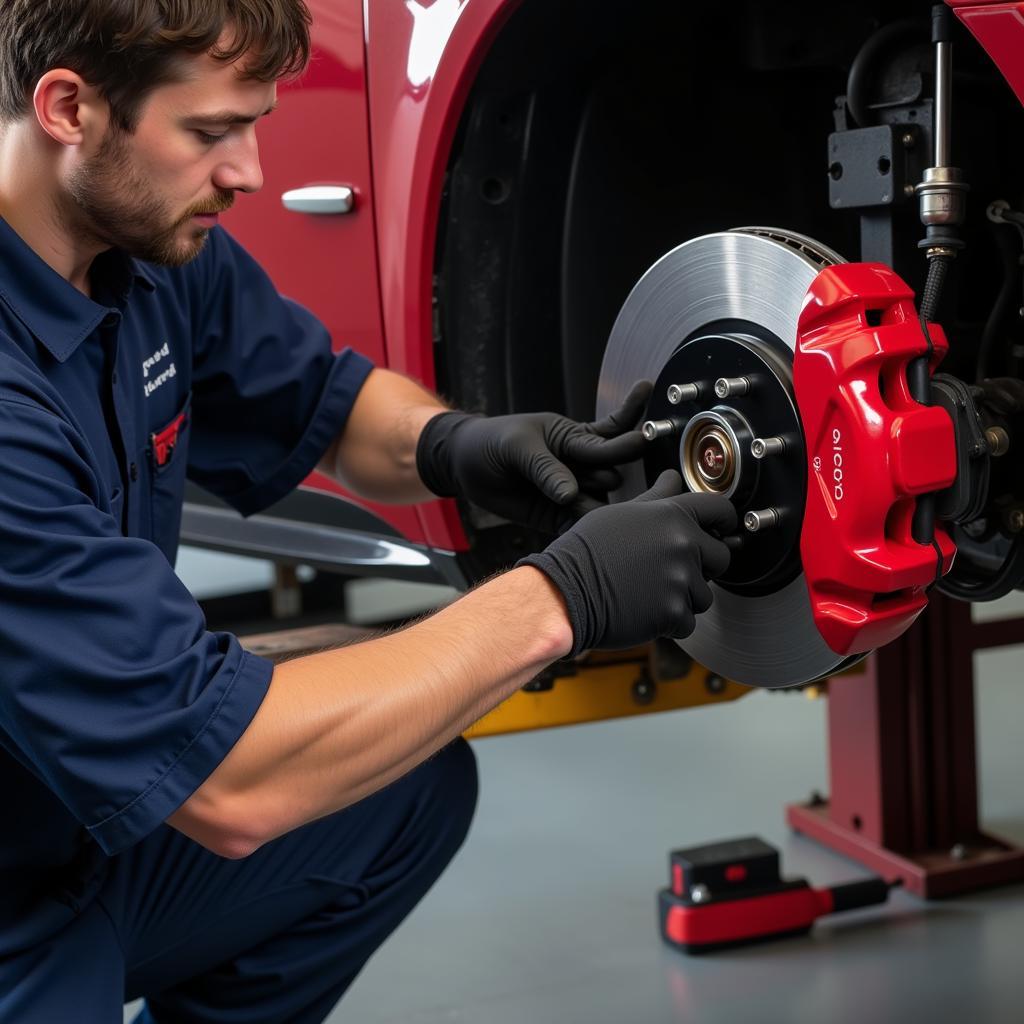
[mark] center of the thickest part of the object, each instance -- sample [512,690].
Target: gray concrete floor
[548,913]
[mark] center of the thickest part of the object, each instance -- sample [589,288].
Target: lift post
[902,760]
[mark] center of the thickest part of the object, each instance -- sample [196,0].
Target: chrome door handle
[319,199]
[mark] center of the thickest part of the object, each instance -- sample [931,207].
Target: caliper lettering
[837,463]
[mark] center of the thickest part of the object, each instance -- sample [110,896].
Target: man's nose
[240,171]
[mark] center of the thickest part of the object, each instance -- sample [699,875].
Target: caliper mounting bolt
[683,393]
[761,519]
[761,447]
[653,429]
[730,387]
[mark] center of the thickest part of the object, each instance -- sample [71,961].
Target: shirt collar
[57,313]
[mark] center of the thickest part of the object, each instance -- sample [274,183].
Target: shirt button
[133,472]
[113,377]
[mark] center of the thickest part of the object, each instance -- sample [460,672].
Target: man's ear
[68,109]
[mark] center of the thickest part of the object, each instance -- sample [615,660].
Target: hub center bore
[714,457]
[710,457]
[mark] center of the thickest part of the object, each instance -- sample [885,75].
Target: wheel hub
[713,437]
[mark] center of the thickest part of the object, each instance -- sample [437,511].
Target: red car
[477,192]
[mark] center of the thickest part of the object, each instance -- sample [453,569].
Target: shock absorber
[942,193]
[942,197]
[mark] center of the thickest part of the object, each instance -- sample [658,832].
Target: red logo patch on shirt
[163,442]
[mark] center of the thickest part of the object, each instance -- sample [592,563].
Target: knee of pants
[429,811]
[453,783]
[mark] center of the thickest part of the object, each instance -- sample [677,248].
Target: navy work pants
[274,938]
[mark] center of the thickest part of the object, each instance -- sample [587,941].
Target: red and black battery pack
[731,893]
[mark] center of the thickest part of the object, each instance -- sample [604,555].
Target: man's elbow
[223,826]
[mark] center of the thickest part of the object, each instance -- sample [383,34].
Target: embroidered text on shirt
[147,364]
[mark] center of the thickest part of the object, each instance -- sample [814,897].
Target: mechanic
[182,820]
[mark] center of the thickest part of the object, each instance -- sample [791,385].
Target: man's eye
[207,137]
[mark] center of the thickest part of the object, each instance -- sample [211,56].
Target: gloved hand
[638,570]
[538,469]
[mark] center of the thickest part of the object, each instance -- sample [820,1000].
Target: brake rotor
[720,312]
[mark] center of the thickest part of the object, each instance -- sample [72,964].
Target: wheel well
[590,145]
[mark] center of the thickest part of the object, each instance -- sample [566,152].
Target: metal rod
[943,96]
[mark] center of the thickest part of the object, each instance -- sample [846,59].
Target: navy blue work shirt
[116,703]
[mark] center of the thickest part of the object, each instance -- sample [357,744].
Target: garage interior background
[548,912]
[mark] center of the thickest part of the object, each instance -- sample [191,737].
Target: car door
[325,256]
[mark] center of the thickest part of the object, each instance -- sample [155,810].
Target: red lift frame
[902,764]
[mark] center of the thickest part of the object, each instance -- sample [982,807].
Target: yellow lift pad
[603,686]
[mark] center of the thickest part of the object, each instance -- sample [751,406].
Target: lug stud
[729,387]
[653,429]
[682,393]
[761,519]
[761,447]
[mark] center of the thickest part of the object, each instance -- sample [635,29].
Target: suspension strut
[942,194]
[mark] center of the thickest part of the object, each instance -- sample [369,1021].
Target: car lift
[902,760]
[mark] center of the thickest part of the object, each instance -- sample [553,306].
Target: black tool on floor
[731,893]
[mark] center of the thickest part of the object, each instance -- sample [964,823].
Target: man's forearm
[334,727]
[375,455]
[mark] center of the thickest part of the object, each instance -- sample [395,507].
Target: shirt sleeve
[269,395]
[113,691]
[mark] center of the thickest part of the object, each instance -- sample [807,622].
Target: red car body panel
[320,135]
[369,274]
[999,28]
[422,57]
[377,111]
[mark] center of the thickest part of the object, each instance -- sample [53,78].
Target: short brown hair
[126,48]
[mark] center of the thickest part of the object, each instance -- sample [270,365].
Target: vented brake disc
[722,310]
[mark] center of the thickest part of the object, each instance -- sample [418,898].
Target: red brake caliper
[871,450]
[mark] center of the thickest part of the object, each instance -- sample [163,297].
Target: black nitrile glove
[538,469]
[638,570]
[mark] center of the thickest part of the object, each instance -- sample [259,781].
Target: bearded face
[112,201]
